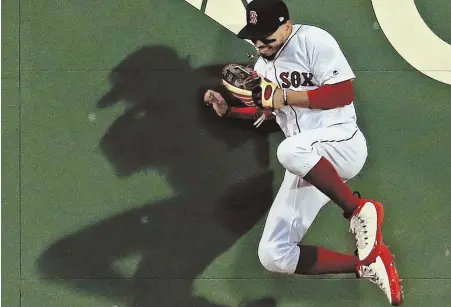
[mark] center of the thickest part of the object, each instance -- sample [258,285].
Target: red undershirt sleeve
[331,96]
[248,113]
[245,112]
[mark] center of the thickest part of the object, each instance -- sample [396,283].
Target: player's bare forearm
[294,98]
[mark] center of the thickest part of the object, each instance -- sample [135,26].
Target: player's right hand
[216,100]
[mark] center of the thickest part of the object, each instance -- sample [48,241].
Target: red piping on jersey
[331,96]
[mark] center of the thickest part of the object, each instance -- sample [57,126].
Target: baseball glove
[248,86]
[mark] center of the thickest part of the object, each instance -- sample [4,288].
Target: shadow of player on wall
[218,169]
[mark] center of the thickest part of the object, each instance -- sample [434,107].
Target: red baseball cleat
[365,224]
[383,273]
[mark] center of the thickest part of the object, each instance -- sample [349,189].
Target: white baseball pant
[297,202]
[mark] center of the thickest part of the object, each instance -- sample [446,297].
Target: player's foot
[383,273]
[365,223]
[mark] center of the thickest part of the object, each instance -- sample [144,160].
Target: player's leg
[293,211]
[321,171]
[326,157]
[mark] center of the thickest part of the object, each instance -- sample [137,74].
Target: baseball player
[305,83]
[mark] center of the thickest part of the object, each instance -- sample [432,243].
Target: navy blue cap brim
[248,32]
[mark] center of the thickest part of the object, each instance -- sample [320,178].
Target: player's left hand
[240,80]
[267,95]
[251,88]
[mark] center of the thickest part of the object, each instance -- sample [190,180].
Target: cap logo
[253,17]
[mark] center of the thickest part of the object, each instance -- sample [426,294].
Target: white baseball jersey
[310,58]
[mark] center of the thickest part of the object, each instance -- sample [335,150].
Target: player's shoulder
[259,63]
[311,33]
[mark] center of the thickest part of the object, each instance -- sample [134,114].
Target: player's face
[268,46]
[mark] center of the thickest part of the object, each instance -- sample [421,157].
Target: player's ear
[287,26]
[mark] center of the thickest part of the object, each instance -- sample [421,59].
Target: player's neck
[290,30]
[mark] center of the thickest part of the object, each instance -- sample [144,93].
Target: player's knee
[268,261]
[292,156]
[274,260]
[285,153]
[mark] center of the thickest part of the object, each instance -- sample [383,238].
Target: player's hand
[267,95]
[216,100]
